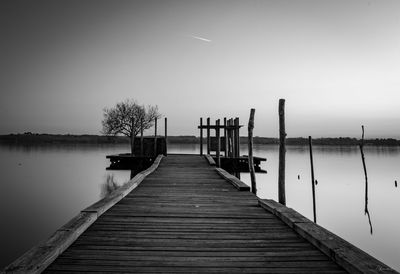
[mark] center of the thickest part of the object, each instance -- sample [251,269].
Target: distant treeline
[35,138]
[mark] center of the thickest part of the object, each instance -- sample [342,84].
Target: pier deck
[186,218]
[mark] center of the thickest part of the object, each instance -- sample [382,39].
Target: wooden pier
[183,215]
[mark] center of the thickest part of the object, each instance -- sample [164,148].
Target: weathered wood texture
[186,218]
[345,254]
[42,255]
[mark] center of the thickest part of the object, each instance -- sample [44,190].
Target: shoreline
[44,139]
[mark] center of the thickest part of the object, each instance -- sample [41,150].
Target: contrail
[201,38]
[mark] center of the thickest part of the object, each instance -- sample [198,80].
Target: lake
[45,186]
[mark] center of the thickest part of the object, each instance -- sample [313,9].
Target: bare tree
[128,118]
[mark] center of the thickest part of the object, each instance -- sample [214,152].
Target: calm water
[43,187]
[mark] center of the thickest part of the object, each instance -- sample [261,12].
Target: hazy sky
[337,64]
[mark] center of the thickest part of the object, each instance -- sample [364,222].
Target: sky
[337,64]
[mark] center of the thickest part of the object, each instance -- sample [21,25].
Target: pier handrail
[42,255]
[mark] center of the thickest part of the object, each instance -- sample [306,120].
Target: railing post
[208,135]
[217,134]
[141,137]
[201,136]
[166,136]
[226,138]
[132,136]
[155,137]
[237,136]
[251,160]
[282,153]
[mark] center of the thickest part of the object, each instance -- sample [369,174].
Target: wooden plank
[39,257]
[233,180]
[210,160]
[340,251]
[189,217]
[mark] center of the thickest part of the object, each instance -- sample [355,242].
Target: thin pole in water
[250,146]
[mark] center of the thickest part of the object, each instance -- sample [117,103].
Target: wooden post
[237,144]
[251,160]
[217,134]
[226,138]
[282,153]
[230,136]
[208,135]
[141,137]
[201,136]
[132,137]
[166,136]
[312,178]
[237,136]
[155,137]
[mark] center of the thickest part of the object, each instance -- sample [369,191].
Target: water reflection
[53,183]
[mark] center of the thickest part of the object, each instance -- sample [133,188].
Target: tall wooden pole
[208,135]
[217,134]
[166,135]
[282,153]
[251,160]
[201,136]
[155,136]
[312,178]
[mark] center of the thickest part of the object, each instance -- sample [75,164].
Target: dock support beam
[226,138]
[155,137]
[166,136]
[217,134]
[208,136]
[282,153]
[141,137]
[201,136]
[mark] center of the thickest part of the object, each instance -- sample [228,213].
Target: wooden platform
[186,218]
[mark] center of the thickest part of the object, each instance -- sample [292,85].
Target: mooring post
[166,136]
[226,138]
[155,137]
[237,144]
[208,135]
[251,160]
[217,134]
[282,153]
[201,136]
[141,137]
[312,178]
